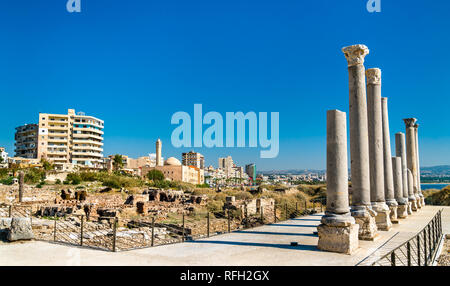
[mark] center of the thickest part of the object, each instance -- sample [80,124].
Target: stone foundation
[383,220]
[367,226]
[338,239]
[393,215]
[402,211]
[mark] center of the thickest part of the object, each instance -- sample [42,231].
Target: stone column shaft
[375,125]
[411,191]
[21,185]
[400,151]
[359,144]
[411,158]
[402,210]
[388,175]
[422,200]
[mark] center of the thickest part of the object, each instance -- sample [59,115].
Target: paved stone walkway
[261,246]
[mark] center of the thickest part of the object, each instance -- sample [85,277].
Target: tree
[47,165]
[155,175]
[118,162]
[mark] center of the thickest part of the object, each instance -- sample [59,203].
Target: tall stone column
[400,151]
[359,144]
[338,231]
[402,211]
[422,199]
[375,124]
[411,191]
[411,160]
[388,175]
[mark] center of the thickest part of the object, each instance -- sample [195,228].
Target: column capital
[410,122]
[355,54]
[373,76]
[416,126]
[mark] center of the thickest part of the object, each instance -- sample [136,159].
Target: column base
[365,218]
[410,208]
[422,199]
[383,220]
[402,211]
[418,202]
[393,214]
[414,206]
[342,239]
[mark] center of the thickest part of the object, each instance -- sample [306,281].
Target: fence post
[425,245]
[81,230]
[408,253]
[182,239]
[246,216]
[418,249]
[10,211]
[286,212]
[296,208]
[114,235]
[430,241]
[54,230]
[275,213]
[229,227]
[393,258]
[207,220]
[306,205]
[153,230]
[262,215]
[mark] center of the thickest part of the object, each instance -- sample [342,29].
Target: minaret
[158,152]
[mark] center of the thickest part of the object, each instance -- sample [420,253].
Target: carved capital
[416,126]
[373,76]
[410,122]
[355,54]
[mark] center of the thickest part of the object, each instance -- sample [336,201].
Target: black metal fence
[420,250]
[116,234]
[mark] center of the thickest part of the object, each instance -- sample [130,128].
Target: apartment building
[26,145]
[68,139]
[194,159]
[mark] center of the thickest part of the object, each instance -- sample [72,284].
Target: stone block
[402,211]
[393,215]
[20,229]
[367,227]
[383,220]
[5,223]
[338,239]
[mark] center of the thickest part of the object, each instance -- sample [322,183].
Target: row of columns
[384,188]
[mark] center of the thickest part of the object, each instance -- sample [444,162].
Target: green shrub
[7,181]
[34,176]
[215,206]
[155,175]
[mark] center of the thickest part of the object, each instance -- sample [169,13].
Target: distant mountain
[436,170]
[425,171]
[291,172]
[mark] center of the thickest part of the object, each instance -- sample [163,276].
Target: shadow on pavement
[283,246]
[275,233]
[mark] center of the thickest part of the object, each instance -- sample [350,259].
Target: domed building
[173,170]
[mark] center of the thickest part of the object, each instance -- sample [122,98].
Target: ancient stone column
[375,124]
[422,198]
[402,210]
[338,231]
[21,185]
[411,192]
[411,160]
[400,151]
[359,142]
[388,175]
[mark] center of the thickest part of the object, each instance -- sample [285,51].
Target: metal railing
[16,211]
[421,250]
[117,234]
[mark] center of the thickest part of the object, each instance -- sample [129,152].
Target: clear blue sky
[134,63]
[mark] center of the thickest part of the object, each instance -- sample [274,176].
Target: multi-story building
[26,145]
[66,140]
[226,164]
[194,159]
[250,169]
